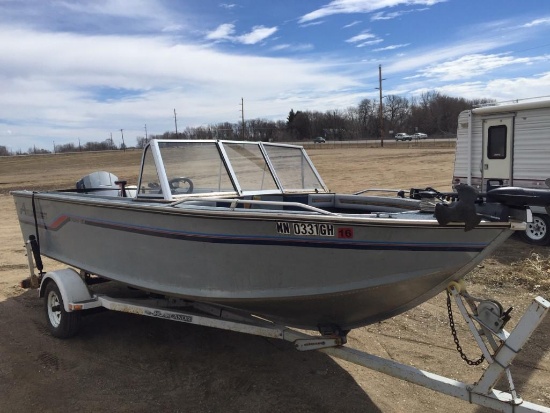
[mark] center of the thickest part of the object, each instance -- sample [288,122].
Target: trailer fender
[71,286]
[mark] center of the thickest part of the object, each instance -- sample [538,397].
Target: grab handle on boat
[233,202]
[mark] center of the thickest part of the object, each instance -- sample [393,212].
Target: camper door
[497,152]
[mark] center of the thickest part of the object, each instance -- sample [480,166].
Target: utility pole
[123,144]
[381,107]
[54,147]
[242,115]
[112,144]
[176,123]
[145,133]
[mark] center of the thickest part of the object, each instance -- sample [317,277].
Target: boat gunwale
[165,208]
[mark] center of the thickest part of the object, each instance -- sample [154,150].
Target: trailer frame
[486,325]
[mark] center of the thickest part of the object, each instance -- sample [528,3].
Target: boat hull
[302,270]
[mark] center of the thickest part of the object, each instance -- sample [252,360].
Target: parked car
[419,135]
[319,139]
[403,137]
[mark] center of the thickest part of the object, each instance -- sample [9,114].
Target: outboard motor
[101,183]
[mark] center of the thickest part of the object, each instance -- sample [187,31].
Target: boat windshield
[172,168]
[250,166]
[294,169]
[199,162]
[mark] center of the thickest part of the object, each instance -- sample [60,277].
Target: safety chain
[455,336]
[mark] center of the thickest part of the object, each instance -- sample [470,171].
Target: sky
[82,70]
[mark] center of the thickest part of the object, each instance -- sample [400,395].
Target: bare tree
[396,113]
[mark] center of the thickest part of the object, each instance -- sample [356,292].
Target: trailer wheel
[538,231]
[62,324]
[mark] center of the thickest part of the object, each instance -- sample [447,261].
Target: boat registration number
[301,228]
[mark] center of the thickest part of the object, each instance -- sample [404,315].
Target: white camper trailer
[507,145]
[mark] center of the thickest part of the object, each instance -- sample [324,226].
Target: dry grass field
[126,363]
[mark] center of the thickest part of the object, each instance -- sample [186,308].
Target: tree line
[432,113]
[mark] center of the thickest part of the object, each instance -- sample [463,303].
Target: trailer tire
[538,231]
[62,324]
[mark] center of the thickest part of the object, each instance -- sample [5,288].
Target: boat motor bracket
[463,210]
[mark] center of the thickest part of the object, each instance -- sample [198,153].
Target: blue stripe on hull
[309,242]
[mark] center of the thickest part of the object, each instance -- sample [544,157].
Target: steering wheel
[181,185]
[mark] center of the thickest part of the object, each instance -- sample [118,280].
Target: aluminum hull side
[242,261]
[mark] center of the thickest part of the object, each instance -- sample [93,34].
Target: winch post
[513,344]
[473,329]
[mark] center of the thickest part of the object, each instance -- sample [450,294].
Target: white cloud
[391,47]
[173,28]
[360,37]
[353,23]
[222,32]
[66,86]
[501,89]
[538,22]
[370,43]
[386,16]
[257,34]
[227,32]
[393,15]
[434,55]
[364,39]
[314,23]
[280,47]
[119,8]
[360,6]
[474,65]
[302,47]
[61,98]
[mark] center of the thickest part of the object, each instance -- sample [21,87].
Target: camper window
[496,142]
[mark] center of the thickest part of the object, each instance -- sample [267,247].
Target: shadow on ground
[122,362]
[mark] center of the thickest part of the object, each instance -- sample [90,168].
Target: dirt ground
[126,363]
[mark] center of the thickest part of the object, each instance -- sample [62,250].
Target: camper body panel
[532,148]
[528,140]
[507,145]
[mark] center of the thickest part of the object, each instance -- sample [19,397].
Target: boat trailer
[67,295]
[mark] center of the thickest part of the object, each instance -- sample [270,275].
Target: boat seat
[321,200]
[100,183]
[204,203]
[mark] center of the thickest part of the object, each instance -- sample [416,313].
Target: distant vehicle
[319,139]
[403,137]
[419,135]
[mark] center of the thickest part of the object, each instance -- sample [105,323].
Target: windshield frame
[264,164]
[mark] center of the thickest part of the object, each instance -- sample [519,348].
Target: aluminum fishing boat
[252,226]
